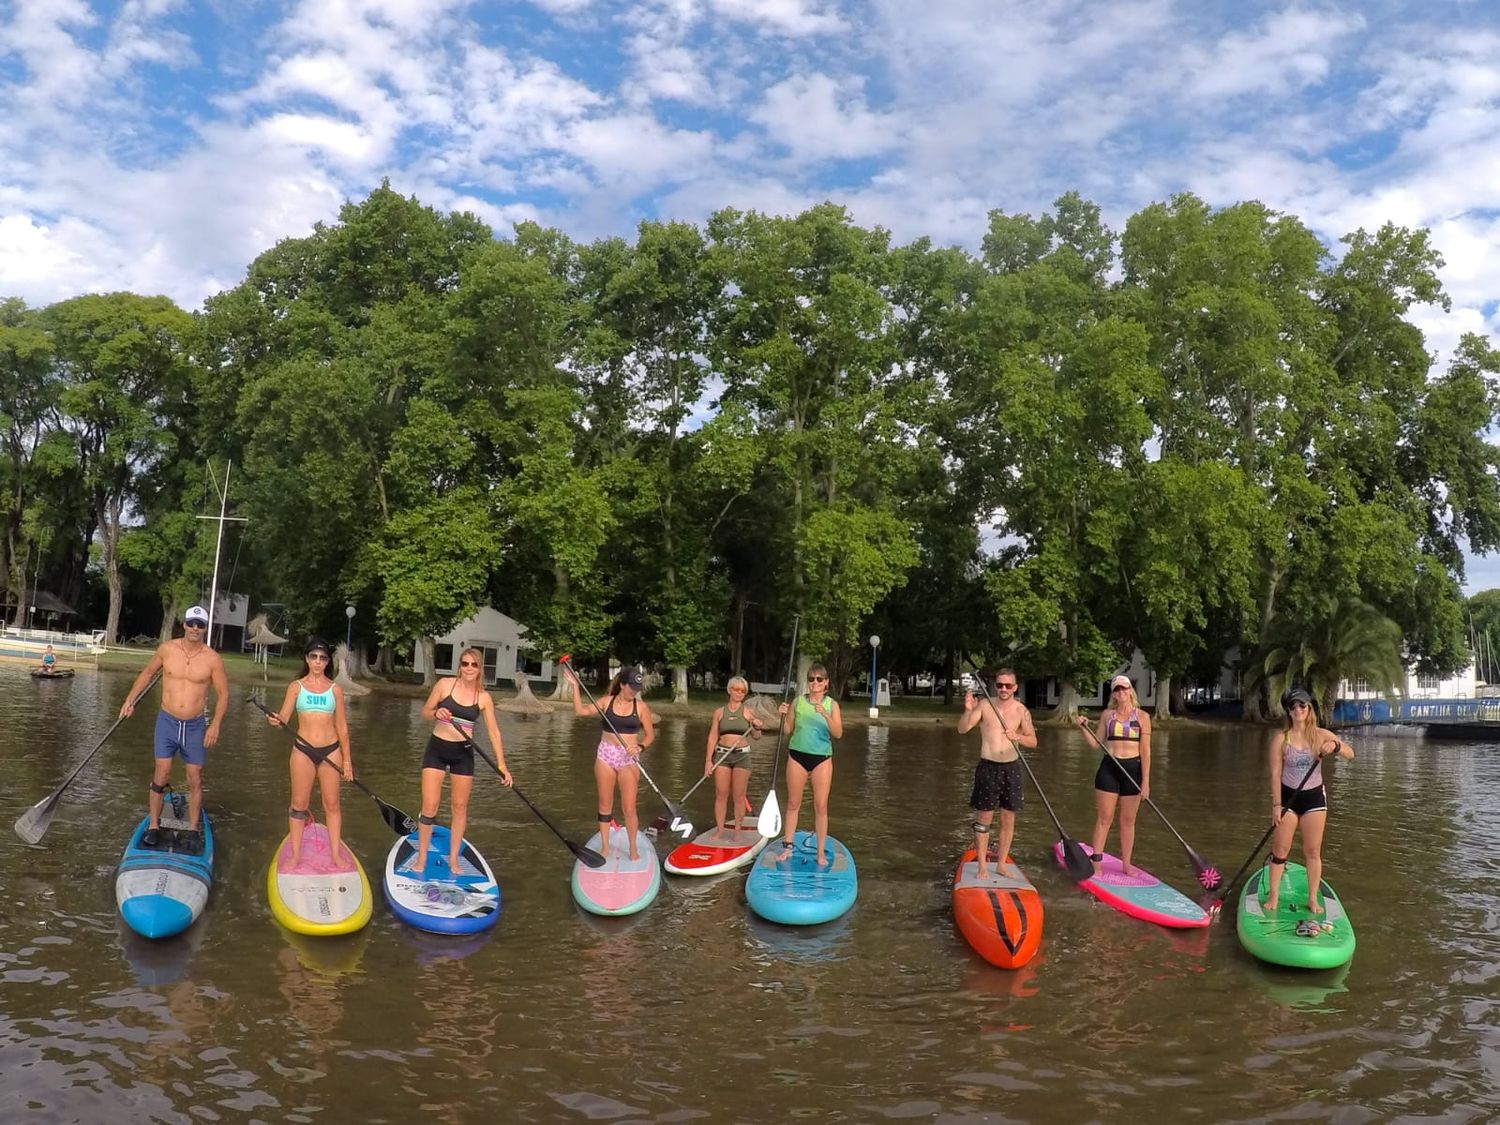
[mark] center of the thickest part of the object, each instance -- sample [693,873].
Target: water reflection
[695,1008]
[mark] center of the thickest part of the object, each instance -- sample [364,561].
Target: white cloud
[818,118]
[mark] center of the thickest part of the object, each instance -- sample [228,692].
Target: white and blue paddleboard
[795,890]
[161,890]
[437,898]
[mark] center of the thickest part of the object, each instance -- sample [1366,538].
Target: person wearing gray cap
[1298,795]
[188,667]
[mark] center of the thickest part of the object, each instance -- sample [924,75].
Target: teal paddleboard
[1291,934]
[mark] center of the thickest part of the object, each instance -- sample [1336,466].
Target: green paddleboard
[1273,937]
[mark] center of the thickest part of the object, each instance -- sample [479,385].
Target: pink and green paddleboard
[1140,894]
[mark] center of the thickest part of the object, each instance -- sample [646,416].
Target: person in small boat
[627,729]
[812,725]
[320,746]
[49,661]
[1124,775]
[455,705]
[188,668]
[1297,754]
[729,738]
[997,775]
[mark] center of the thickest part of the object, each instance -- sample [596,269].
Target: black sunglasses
[817,679]
[195,624]
[1000,684]
[468,664]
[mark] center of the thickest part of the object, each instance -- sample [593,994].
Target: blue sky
[159,146]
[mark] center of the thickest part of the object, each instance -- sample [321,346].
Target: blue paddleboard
[438,899]
[796,890]
[162,890]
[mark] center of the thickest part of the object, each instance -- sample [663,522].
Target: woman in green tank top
[812,725]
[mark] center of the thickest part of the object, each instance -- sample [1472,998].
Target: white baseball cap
[196,615]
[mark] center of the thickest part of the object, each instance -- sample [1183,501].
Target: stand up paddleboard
[622,885]
[999,915]
[1140,894]
[712,852]
[321,896]
[795,890]
[437,899]
[161,890]
[1292,935]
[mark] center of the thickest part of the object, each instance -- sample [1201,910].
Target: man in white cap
[188,666]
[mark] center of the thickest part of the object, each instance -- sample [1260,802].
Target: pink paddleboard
[1140,894]
[623,885]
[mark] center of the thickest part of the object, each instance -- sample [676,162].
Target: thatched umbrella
[260,635]
[524,703]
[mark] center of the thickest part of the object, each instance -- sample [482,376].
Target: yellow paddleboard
[320,895]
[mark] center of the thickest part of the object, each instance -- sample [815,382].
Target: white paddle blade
[32,825]
[768,824]
[683,828]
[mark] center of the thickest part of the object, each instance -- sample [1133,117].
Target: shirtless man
[187,666]
[997,777]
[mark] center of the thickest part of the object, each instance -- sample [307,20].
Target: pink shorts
[612,754]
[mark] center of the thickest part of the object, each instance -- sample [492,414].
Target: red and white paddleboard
[713,851]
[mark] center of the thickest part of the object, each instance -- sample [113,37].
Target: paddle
[1217,905]
[1076,861]
[32,824]
[661,822]
[680,823]
[768,824]
[1207,873]
[402,824]
[587,856]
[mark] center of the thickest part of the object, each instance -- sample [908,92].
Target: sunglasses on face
[1115,691]
[1299,705]
[468,664]
[817,679]
[194,625]
[1006,686]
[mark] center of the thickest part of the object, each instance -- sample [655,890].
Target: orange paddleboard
[999,915]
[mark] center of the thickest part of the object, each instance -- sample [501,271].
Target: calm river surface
[694,1008]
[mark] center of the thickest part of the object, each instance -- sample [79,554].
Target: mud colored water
[694,1008]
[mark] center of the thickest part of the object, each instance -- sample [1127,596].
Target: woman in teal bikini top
[320,746]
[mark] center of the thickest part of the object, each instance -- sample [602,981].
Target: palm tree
[1342,638]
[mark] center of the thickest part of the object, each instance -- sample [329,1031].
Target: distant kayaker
[188,667]
[1296,759]
[455,705]
[627,729]
[320,746]
[1124,775]
[997,775]
[729,738]
[812,725]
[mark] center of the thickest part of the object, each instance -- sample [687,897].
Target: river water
[694,1008]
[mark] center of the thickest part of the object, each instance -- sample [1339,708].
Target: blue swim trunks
[184,736]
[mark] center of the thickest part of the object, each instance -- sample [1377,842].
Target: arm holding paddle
[148,675]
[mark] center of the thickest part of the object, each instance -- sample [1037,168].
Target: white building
[507,655]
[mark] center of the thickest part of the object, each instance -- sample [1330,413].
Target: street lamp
[349,632]
[874,651]
[31,621]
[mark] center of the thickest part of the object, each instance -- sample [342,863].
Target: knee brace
[1278,860]
[299,814]
[155,788]
[423,818]
[605,818]
[979,829]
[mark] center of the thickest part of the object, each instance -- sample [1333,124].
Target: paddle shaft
[40,814]
[1139,791]
[786,694]
[728,750]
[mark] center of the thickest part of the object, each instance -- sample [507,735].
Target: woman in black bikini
[456,704]
[320,746]
[627,729]
[1123,776]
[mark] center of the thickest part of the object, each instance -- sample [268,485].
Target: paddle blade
[768,824]
[586,856]
[32,824]
[683,828]
[1076,861]
[1208,874]
[398,822]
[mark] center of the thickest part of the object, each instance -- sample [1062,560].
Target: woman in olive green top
[729,737]
[812,725]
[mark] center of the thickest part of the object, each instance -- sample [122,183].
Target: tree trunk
[1163,698]
[679,683]
[385,660]
[110,533]
[1067,702]
[171,608]
[429,661]
[1179,700]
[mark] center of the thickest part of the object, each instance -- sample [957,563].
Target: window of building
[1361,686]
[442,658]
[526,664]
[1428,683]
